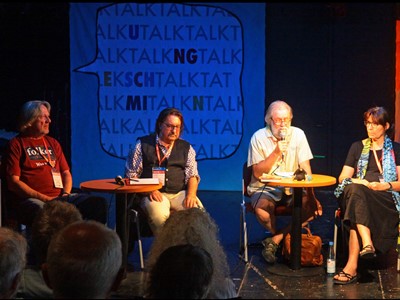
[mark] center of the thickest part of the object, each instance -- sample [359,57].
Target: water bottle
[331,260]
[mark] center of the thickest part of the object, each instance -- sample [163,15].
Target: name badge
[159,173]
[57,180]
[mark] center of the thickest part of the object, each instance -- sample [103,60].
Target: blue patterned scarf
[388,165]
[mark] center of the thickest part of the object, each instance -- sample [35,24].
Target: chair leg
[244,244]
[335,238]
[139,238]
[335,231]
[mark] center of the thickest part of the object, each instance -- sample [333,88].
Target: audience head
[13,250]
[30,112]
[84,261]
[181,272]
[196,227]
[54,216]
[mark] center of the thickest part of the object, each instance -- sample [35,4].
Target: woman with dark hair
[166,156]
[368,193]
[181,272]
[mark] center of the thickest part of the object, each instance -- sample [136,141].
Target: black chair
[246,207]
[138,225]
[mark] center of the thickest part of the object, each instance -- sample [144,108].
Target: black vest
[174,165]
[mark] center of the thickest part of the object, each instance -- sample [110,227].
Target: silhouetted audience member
[181,272]
[54,216]
[84,260]
[195,226]
[13,250]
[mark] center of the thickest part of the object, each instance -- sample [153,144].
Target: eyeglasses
[373,125]
[169,126]
[279,122]
[44,117]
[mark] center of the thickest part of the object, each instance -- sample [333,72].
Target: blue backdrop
[129,61]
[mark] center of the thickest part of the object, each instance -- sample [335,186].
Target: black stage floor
[256,279]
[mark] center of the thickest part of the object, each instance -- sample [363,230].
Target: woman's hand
[378,186]
[361,181]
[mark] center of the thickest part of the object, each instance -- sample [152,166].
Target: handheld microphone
[119,180]
[282,134]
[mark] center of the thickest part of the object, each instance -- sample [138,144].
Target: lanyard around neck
[166,154]
[378,163]
[52,163]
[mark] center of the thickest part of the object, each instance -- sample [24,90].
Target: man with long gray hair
[36,170]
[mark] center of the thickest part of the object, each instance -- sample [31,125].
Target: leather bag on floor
[311,246]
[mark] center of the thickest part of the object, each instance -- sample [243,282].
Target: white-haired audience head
[13,250]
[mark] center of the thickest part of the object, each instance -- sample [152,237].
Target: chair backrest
[246,177]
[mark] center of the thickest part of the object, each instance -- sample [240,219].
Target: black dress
[373,209]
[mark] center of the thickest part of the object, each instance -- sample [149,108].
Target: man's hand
[190,201]
[283,146]
[155,196]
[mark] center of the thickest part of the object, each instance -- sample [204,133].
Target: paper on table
[284,174]
[133,181]
[270,178]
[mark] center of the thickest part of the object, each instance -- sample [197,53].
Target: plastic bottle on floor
[331,260]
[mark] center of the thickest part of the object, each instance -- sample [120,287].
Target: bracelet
[390,187]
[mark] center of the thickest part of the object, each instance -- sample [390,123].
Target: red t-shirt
[26,158]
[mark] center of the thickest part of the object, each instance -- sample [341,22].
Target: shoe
[367,252]
[350,279]
[269,250]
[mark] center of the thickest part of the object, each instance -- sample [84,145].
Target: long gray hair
[30,112]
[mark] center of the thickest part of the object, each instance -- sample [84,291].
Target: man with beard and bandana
[164,155]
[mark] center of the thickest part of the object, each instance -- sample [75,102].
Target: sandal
[350,278]
[367,252]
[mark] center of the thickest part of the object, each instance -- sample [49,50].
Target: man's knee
[264,213]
